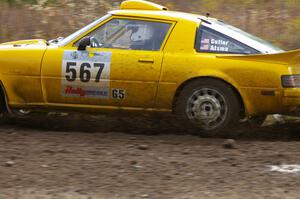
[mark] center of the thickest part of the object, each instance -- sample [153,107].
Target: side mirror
[83,43]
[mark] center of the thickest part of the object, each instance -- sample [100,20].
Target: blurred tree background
[277,21]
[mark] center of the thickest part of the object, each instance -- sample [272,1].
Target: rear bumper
[291,101]
[291,97]
[291,93]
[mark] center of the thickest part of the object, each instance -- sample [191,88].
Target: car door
[121,68]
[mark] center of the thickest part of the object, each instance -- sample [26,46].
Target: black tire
[21,113]
[208,104]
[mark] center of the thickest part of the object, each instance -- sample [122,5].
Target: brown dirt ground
[87,157]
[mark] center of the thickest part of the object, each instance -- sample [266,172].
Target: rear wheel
[208,104]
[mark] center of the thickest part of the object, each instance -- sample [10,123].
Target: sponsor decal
[215,45]
[86,92]
[86,74]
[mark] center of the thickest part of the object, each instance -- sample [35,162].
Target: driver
[142,37]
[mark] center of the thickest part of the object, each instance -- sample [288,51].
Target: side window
[130,34]
[212,41]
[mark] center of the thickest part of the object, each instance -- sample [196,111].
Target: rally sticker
[86,74]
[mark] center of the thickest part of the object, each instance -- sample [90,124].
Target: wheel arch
[199,78]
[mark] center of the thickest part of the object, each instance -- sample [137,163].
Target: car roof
[164,15]
[142,8]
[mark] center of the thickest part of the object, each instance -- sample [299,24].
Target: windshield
[76,34]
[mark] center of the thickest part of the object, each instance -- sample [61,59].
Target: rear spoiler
[285,58]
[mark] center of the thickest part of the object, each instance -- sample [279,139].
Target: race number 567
[83,71]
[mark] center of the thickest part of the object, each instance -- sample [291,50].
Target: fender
[217,74]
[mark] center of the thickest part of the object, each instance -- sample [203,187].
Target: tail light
[290,81]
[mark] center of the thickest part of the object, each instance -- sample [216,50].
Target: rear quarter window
[209,40]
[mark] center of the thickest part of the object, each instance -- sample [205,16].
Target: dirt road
[86,157]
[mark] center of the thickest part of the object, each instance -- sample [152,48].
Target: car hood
[291,58]
[30,44]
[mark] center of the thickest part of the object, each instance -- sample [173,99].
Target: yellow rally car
[144,57]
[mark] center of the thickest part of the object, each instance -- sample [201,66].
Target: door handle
[146,60]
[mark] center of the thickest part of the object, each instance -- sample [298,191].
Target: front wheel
[208,104]
[21,113]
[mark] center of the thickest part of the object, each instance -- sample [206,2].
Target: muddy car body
[144,57]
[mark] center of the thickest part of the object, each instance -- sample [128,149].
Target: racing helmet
[141,32]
